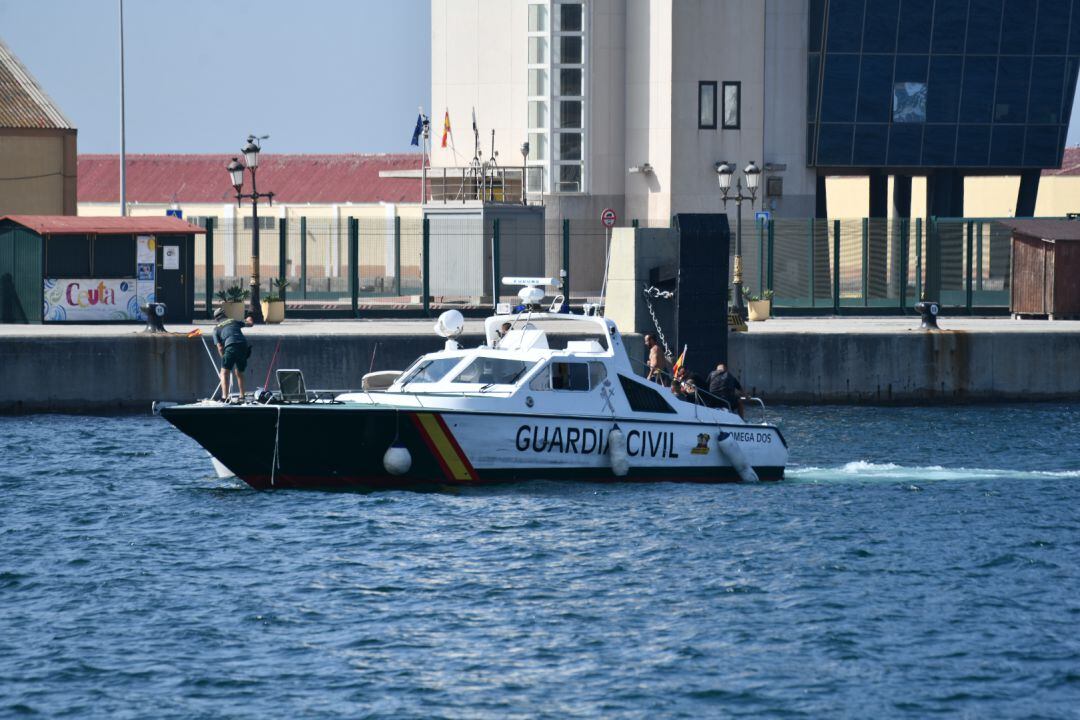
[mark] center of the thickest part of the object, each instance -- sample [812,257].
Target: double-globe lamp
[236,176]
[724,172]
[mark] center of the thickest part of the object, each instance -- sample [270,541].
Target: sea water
[916,562]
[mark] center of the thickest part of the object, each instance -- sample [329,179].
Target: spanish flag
[445,127]
[195,333]
[680,362]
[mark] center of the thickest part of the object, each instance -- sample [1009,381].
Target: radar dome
[450,324]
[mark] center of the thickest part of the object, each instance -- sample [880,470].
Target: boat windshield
[430,371]
[494,371]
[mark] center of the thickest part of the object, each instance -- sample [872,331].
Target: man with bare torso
[657,362]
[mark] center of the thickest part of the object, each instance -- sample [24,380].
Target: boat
[553,396]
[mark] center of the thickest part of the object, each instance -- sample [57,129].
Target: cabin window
[430,371]
[570,376]
[494,371]
[597,373]
[643,398]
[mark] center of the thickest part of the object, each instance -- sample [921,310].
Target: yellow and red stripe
[437,436]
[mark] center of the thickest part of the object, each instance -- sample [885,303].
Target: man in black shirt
[726,387]
[234,351]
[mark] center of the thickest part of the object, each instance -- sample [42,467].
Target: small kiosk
[62,268]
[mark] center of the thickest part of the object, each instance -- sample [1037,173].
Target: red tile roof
[1070,164]
[23,104]
[322,179]
[70,224]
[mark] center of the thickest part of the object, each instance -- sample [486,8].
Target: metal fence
[881,265]
[818,266]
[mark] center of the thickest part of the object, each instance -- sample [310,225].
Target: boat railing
[749,401]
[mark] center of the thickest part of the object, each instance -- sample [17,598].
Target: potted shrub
[758,307]
[273,305]
[233,299]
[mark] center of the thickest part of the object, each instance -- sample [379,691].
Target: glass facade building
[979,84]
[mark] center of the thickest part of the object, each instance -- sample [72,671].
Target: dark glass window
[881,20]
[871,141]
[916,18]
[905,144]
[67,256]
[569,113]
[984,27]
[977,100]
[811,130]
[1041,146]
[838,92]
[570,17]
[939,144]
[1047,74]
[706,105]
[972,145]
[265,223]
[812,78]
[817,24]
[875,87]
[731,110]
[845,25]
[569,146]
[911,68]
[1019,27]
[114,256]
[1051,28]
[834,145]
[1074,30]
[570,49]
[643,398]
[570,81]
[943,88]
[1013,79]
[572,376]
[569,178]
[1071,66]
[1007,146]
[950,24]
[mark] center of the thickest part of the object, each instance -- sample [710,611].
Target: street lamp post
[724,171]
[236,175]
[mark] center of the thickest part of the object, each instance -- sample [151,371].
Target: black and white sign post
[607,219]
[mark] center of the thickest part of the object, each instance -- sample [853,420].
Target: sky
[318,76]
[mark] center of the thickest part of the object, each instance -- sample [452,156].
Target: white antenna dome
[531,295]
[450,324]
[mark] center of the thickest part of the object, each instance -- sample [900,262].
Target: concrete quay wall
[129,372]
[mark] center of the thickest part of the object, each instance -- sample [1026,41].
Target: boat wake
[863,470]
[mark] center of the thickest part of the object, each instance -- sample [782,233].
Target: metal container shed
[1045,268]
[61,268]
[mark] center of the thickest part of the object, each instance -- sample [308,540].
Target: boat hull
[342,446]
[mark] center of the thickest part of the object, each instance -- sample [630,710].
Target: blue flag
[416,132]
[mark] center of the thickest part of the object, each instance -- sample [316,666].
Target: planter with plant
[758,307]
[273,305]
[233,299]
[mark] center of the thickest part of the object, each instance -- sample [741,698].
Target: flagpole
[123,141]
[423,159]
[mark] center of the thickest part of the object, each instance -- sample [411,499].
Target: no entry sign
[608,217]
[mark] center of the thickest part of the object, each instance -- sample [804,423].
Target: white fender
[734,454]
[397,460]
[620,461]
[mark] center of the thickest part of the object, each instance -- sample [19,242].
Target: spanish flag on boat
[445,127]
[680,362]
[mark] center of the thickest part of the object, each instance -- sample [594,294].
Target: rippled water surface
[916,562]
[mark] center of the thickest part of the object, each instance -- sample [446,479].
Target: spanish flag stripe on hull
[444,447]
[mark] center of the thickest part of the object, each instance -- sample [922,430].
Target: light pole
[236,175]
[724,171]
[524,168]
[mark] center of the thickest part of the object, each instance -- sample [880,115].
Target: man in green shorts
[234,351]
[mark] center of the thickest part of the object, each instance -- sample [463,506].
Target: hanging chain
[653,292]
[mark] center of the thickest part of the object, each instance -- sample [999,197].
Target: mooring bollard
[929,312]
[155,317]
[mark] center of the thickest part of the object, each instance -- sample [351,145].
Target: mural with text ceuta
[104,299]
